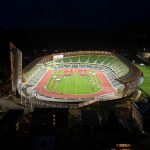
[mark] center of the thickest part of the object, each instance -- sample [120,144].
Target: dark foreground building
[141,114]
[10,123]
[49,121]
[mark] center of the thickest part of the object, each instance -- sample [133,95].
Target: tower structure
[16,68]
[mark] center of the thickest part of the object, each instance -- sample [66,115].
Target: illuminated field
[145,86]
[74,83]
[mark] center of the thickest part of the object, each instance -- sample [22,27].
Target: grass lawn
[145,86]
[74,84]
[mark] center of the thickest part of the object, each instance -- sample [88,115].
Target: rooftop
[143,108]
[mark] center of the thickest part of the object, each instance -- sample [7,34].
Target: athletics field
[145,86]
[74,84]
[80,82]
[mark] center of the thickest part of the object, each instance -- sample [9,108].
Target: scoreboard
[60,56]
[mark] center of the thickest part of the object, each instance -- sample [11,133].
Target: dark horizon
[28,39]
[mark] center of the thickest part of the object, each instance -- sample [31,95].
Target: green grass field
[145,86]
[74,84]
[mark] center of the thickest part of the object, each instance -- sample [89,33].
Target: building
[10,123]
[141,114]
[49,121]
[91,121]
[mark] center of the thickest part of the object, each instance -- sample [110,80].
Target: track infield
[74,84]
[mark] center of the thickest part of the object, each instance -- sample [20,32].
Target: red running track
[107,88]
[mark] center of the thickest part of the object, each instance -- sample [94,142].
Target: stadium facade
[119,78]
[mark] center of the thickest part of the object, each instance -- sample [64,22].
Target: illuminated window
[124,146]
[17,126]
[125,149]
[54,119]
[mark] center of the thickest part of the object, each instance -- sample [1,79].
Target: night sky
[72,13]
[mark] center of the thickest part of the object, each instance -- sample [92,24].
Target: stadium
[76,79]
